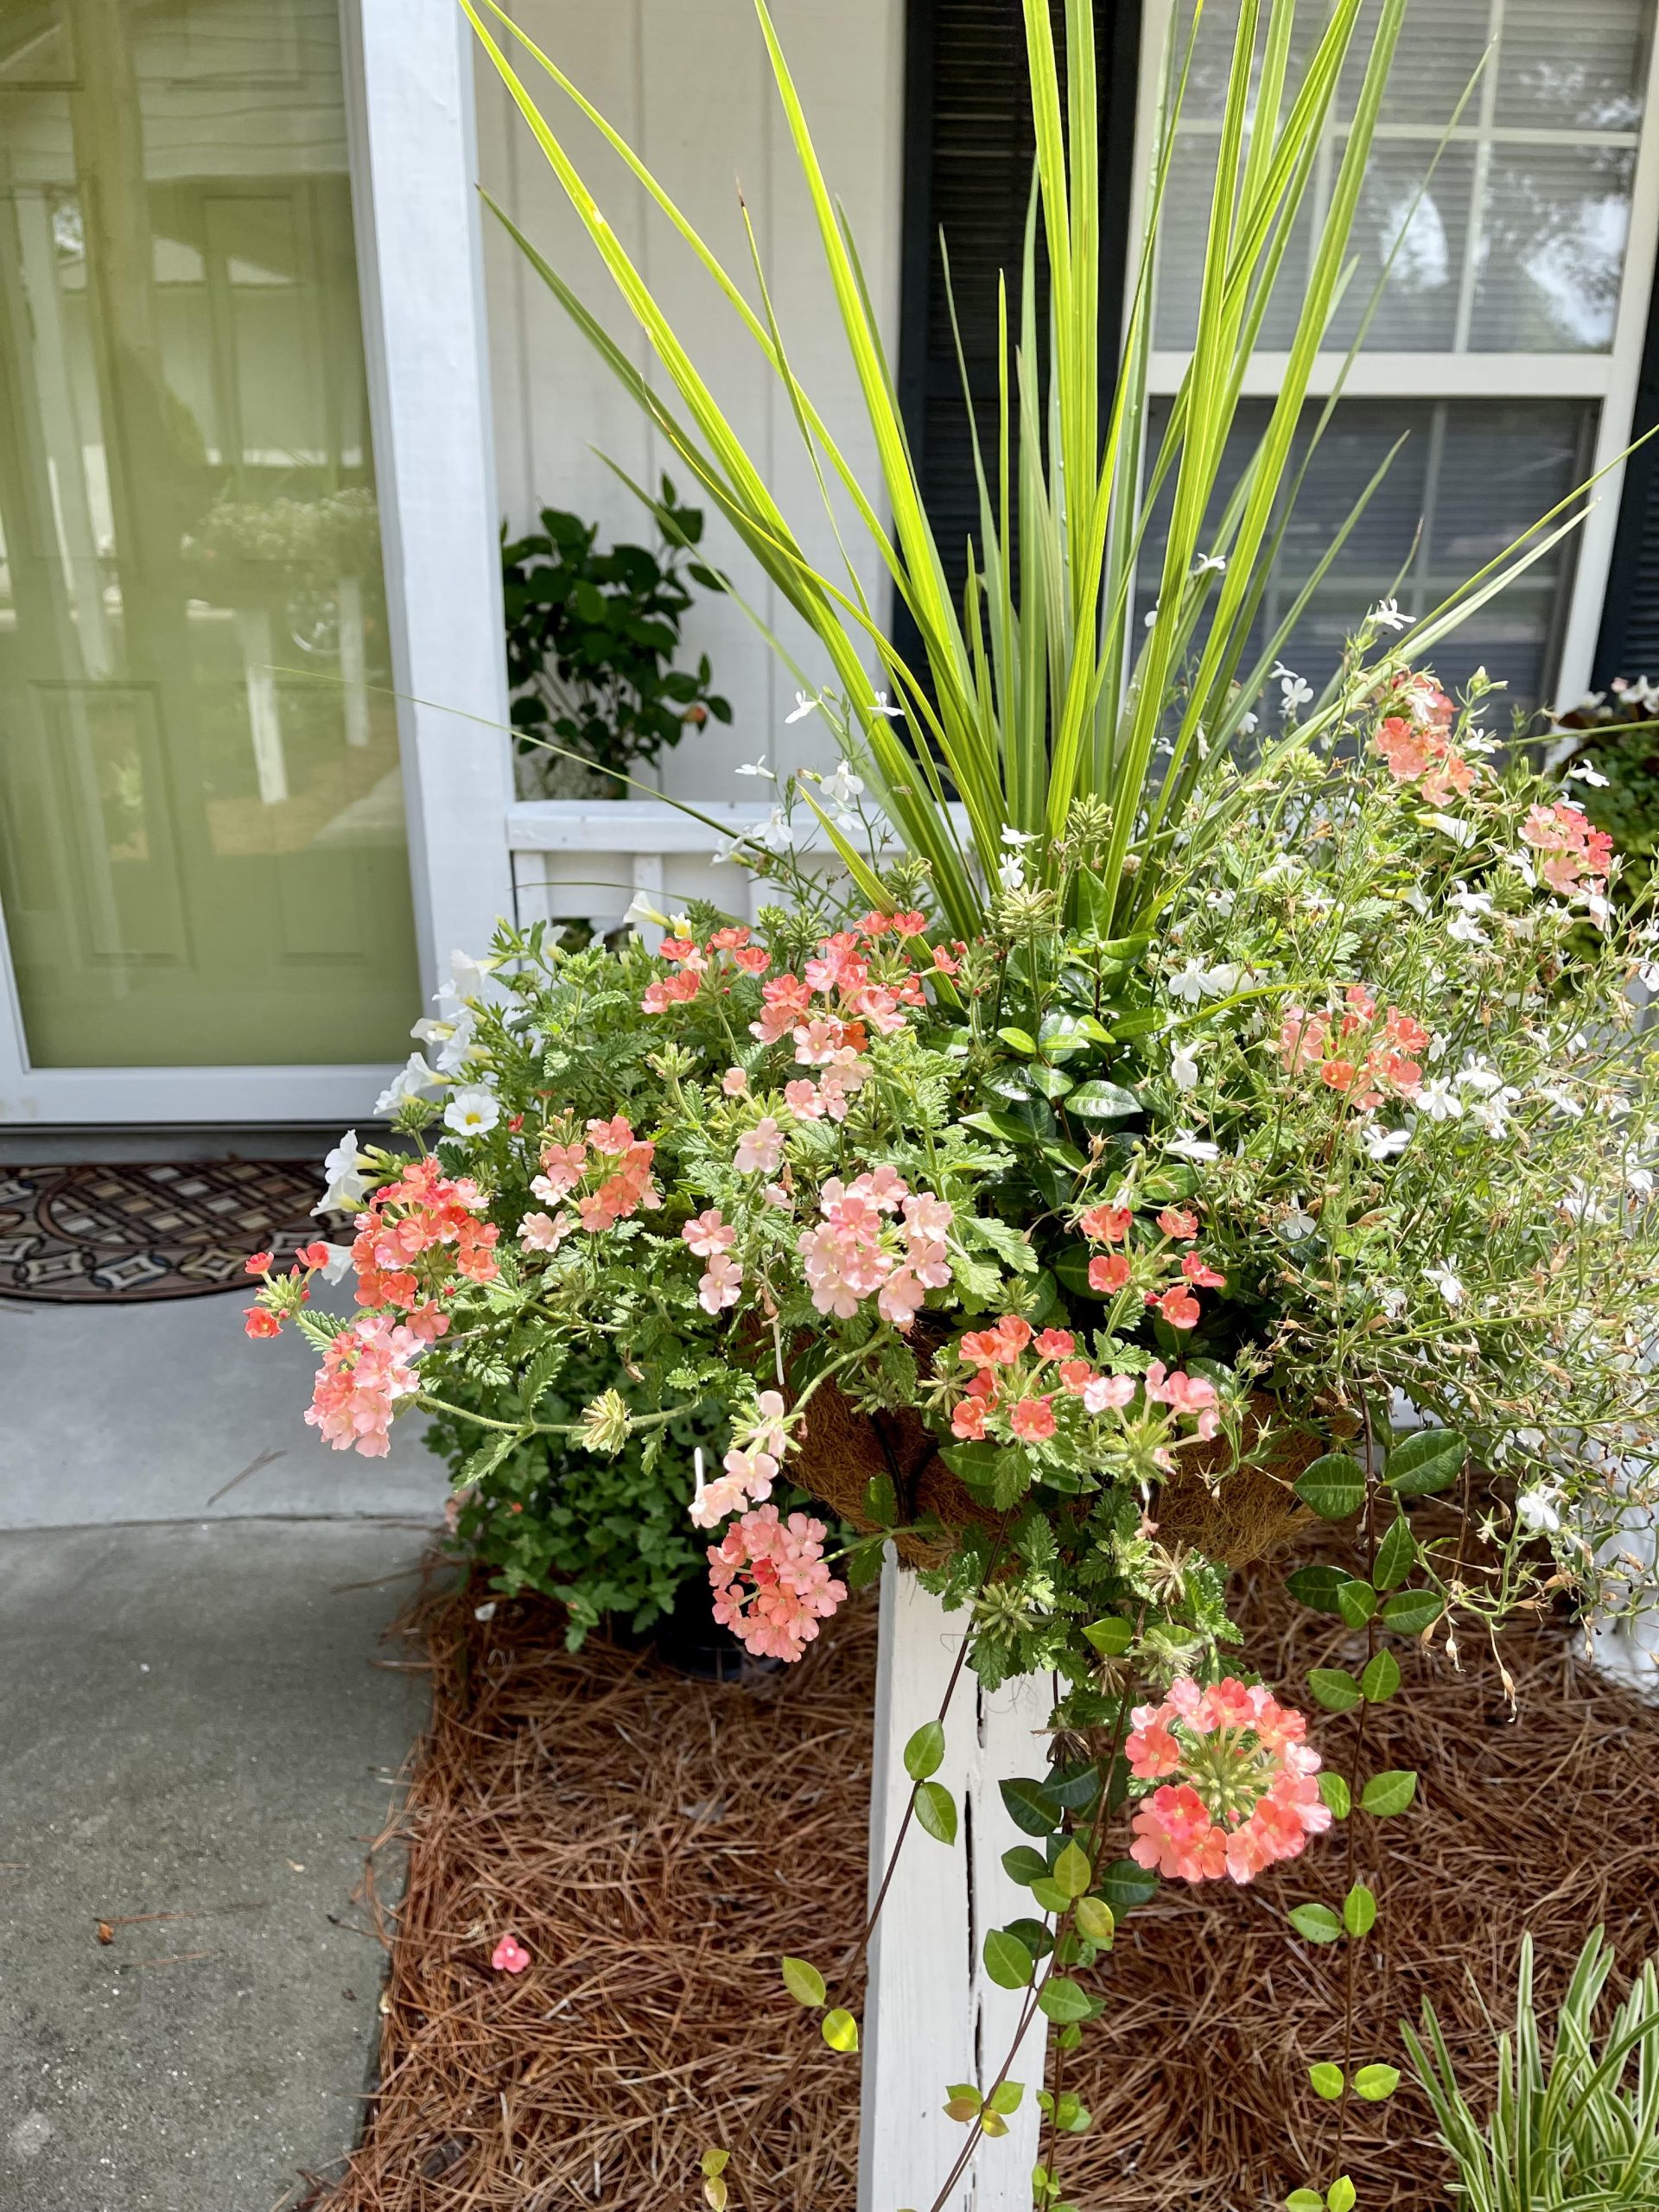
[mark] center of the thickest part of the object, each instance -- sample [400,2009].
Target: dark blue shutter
[967,165]
[1629,644]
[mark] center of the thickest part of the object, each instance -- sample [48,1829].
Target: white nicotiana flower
[472,1112]
[1540,1509]
[803,707]
[1585,772]
[757,768]
[1298,1224]
[1383,1145]
[411,1080]
[1188,982]
[1465,929]
[1184,1065]
[1387,616]
[844,787]
[1469,902]
[1449,1286]
[1294,691]
[346,1188]
[1186,1144]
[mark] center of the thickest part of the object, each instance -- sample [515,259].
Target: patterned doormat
[128,1234]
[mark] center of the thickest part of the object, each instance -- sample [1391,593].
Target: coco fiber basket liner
[657,1844]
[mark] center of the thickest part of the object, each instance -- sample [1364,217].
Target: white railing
[577,860]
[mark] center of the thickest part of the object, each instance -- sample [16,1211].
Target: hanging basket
[1236,1517]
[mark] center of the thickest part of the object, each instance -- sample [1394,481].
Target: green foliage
[602,1536]
[592,637]
[1577,2132]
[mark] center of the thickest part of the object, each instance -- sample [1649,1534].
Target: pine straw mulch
[657,1844]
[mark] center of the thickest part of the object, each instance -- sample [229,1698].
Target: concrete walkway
[191,1594]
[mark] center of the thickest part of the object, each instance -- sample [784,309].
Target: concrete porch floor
[191,1594]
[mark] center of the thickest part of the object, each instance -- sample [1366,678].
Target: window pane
[202,854]
[1517,245]
[1553,249]
[1470,478]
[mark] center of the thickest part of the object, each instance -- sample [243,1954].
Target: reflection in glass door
[202,849]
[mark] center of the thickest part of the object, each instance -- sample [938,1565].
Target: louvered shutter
[968,155]
[1628,644]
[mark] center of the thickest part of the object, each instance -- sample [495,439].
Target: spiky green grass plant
[1577,2133]
[1041,687]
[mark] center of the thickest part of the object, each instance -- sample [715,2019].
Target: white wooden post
[932,2017]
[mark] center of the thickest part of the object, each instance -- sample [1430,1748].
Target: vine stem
[892,1866]
[1028,2010]
[1355,1786]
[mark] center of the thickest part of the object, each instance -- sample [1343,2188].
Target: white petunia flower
[472,1112]
[336,1267]
[413,1079]
[346,1188]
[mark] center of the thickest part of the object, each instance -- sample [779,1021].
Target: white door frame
[408,89]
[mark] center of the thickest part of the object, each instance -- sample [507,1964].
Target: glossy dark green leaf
[1431,1460]
[1356,1602]
[936,1810]
[1063,2001]
[1388,1793]
[1408,1612]
[1102,1101]
[1317,1587]
[1333,1486]
[1380,1678]
[1124,1885]
[1029,1806]
[1008,1961]
[1335,1688]
[1395,1555]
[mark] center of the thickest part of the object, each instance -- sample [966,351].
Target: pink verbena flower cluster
[696,967]
[1112,1271]
[1363,1059]
[1021,1379]
[1237,1783]
[610,1168]
[877,1238]
[421,1240]
[1417,745]
[771,1586]
[750,1466]
[365,1370]
[1575,856]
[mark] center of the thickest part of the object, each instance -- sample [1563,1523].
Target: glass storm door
[203,856]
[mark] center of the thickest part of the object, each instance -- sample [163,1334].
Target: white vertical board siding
[932,2017]
[413,190]
[688,83]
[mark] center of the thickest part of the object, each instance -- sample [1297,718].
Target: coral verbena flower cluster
[771,1582]
[1237,1787]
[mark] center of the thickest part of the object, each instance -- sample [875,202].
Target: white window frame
[1608,380]
[410,121]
